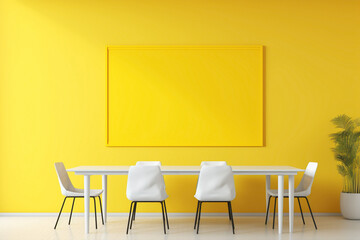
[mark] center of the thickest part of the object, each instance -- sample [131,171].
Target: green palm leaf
[346,151]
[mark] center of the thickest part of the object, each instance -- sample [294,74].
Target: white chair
[145,163]
[215,184]
[303,190]
[148,163]
[146,184]
[69,191]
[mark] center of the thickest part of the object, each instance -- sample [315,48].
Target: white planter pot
[350,205]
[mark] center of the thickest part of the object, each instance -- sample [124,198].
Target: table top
[187,170]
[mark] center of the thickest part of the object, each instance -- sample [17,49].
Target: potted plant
[346,152]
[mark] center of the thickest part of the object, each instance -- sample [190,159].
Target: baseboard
[156,214]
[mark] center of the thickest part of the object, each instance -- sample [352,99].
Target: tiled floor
[148,228]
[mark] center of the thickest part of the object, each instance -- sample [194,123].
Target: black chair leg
[102,216]
[228,203]
[311,212]
[274,213]
[267,211]
[198,221]
[95,212]
[134,212]
[133,215]
[163,215]
[197,212]
[166,215]
[302,215]
[232,217]
[127,228]
[60,212]
[72,207]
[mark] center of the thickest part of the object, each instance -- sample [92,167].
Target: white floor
[147,228]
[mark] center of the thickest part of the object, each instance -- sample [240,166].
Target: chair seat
[226,197]
[147,198]
[274,193]
[80,193]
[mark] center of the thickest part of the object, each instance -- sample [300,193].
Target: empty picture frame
[185,96]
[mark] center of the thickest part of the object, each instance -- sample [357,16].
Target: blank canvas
[185,96]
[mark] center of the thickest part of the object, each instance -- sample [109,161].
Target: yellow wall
[52,91]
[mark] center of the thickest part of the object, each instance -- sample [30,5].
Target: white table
[279,171]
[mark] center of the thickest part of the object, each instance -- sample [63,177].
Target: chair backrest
[64,180]
[215,183]
[145,183]
[308,178]
[213,163]
[148,163]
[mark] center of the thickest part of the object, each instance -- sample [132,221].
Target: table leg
[291,203]
[280,201]
[267,187]
[104,196]
[87,202]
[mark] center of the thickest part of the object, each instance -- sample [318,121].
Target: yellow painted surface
[53,93]
[185,96]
